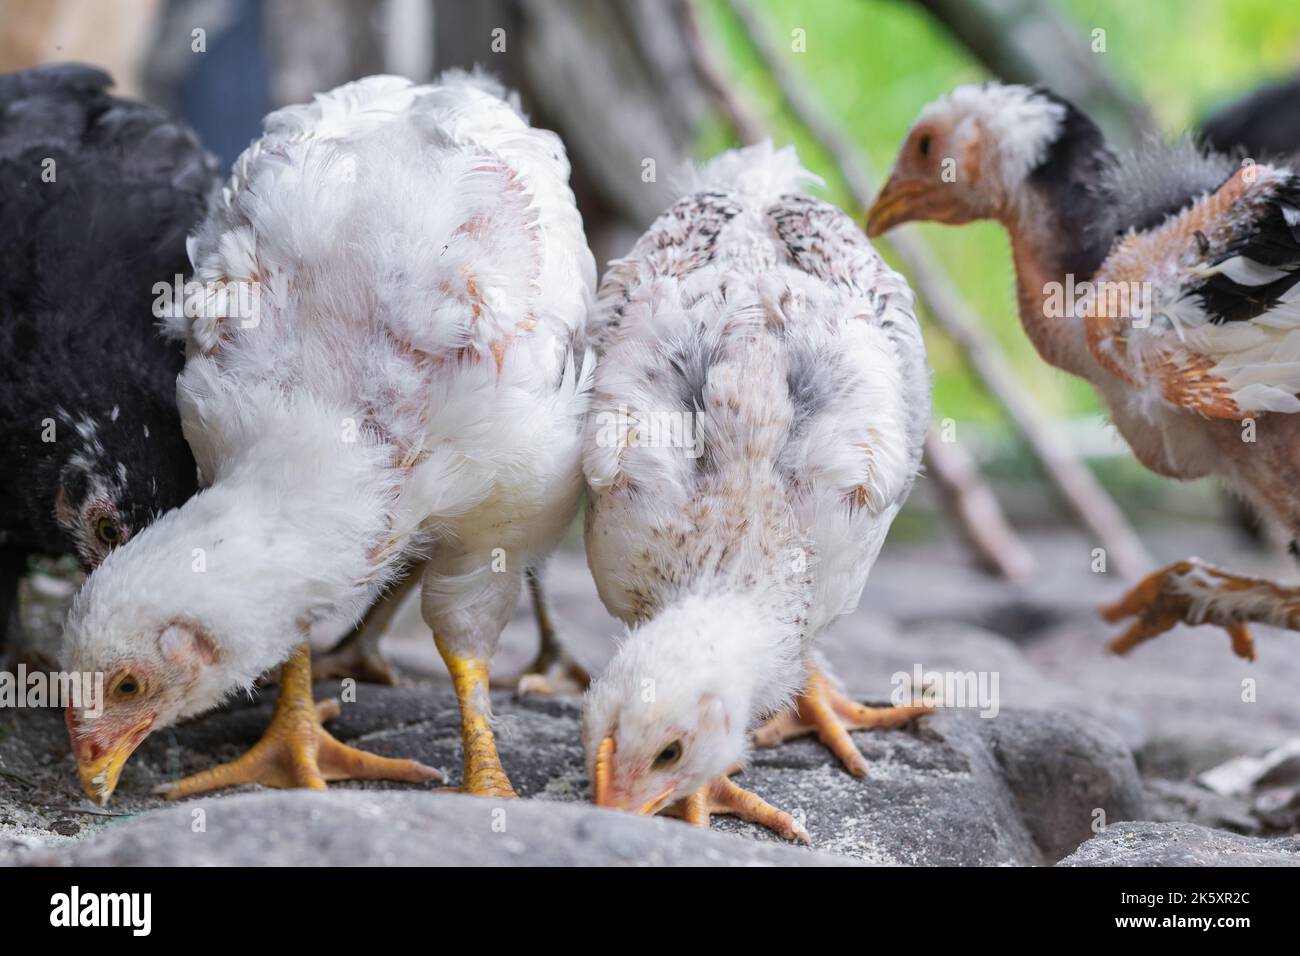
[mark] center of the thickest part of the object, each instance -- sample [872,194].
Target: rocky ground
[1178,755]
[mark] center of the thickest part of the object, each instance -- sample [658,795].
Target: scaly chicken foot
[296,751]
[822,710]
[554,672]
[1193,592]
[723,796]
[484,776]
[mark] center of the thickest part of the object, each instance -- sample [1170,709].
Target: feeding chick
[407,381]
[760,406]
[1185,312]
[97,195]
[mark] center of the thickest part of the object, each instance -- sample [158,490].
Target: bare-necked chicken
[1168,278]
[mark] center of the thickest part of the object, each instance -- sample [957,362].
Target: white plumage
[413,381]
[762,321]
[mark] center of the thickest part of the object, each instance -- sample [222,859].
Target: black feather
[79,258]
[1072,176]
[1099,196]
[1261,124]
[1271,241]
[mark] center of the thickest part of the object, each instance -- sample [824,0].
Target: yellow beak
[99,773]
[602,791]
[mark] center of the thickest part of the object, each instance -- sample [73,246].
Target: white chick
[761,401]
[409,384]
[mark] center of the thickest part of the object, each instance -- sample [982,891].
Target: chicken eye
[108,531]
[669,755]
[924,145]
[128,686]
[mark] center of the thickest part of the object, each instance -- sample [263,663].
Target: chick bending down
[760,405]
[410,386]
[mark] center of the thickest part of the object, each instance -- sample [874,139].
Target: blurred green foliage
[875,63]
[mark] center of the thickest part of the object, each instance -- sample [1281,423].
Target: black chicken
[97,195]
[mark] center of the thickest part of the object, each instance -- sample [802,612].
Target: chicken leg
[484,775]
[554,671]
[1193,592]
[296,751]
[824,711]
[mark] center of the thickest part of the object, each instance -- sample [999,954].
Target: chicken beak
[99,765]
[895,205]
[601,791]
[651,807]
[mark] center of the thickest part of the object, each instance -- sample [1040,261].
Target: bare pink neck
[1041,283]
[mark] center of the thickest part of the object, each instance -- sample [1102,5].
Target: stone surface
[345,828]
[1180,801]
[1182,844]
[1026,785]
[953,789]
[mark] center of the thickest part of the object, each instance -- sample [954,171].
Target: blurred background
[626,81]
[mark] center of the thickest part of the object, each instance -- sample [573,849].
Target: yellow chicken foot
[296,751]
[484,775]
[554,672]
[824,711]
[722,796]
[1193,592]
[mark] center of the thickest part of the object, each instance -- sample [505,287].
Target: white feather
[409,386]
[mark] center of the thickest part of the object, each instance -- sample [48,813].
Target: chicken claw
[723,796]
[1193,592]
[824,711]
[296,751]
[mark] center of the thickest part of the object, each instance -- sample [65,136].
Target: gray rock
[952,789]
[1181,844]
[956,789]
[1023,787]
[1067,773]
[1181,801]
[343,828]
